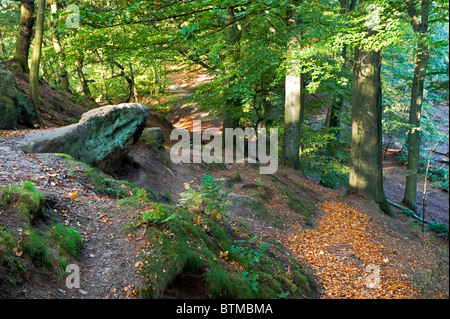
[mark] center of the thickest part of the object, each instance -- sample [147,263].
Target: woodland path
[184,113]
[347,235]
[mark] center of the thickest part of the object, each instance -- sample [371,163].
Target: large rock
[101,137]
[16,107]
[155,136]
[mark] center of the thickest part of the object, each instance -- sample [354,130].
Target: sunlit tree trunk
[81,77]
[24,34]
[134,93]
[366,169]
[2,44]
[63,75]
[36,58]
[294,100]
[417,90]
[102,74]
[232,38]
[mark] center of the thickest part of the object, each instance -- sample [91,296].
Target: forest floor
[343,240]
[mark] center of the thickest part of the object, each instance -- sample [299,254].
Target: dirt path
[437,201]
[347,233]
[107,254]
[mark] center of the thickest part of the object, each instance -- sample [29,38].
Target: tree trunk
[133,88]
[294,103]
[417,91]
[366,169]
[83,82]
[333,120]
[36,58]
[63,74]
[23,39]
[2,44]
[233,105]
[102,74]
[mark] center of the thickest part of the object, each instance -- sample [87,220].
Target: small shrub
[157,215]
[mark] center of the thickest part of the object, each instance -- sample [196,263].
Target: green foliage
[190,238]
[439,229]
[208,198]
[67,239]
[324,157]
[54,243]
[36,248]
[7,243]
[156,215]
[249,259]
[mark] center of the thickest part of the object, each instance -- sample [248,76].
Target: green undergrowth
[47,246]
[7,244]
[53,246]
[24,199]
[192,237]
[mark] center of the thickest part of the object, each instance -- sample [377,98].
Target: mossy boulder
[16,107]
[101,138]
[154,136]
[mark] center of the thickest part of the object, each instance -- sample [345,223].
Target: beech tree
[419,22]
[37,49]
[366,170]
[294,96]
[24,34]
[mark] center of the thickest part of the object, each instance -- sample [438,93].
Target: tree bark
[233,104]
[23,38]
[134,93]
[2,44]
[81,77]
[366,169]
[417,92]
[36,58]
[294,101]
[102,74]
[63,74]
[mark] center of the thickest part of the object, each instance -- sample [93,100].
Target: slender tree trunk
[102,74]
[294,101]
[233,104]
[134,92]
[129,80]
[23,39]
[417,91]
[36,58]
[81,77]
[333,117]
[63,74]
[366,170]
[2,44]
